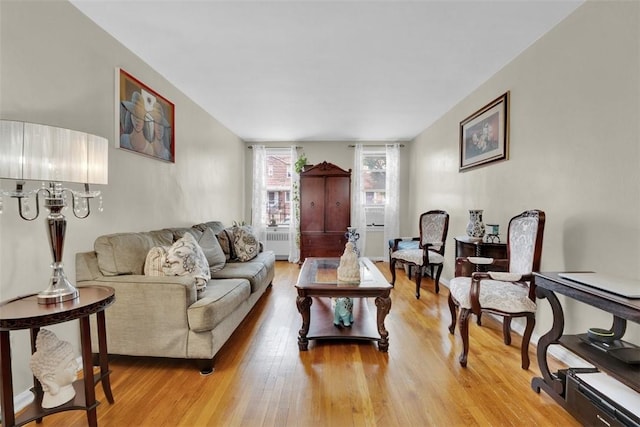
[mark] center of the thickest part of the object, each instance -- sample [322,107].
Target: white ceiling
[327,70]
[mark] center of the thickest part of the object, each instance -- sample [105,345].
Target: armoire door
[337,203]
[312,203]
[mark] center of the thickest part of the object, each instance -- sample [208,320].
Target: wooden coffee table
[318,282]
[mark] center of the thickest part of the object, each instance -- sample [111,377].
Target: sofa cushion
[215,226]
[125,253]
[185,258]
[179,232]
[255,271]
[220,298]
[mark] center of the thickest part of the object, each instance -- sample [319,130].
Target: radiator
[278,242]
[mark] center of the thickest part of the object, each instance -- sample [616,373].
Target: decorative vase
[352,236]
[475,227]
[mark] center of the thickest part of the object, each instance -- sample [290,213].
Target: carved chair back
[434,226]
[524,242]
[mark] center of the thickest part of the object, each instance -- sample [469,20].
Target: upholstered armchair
[429,252]
[508,294]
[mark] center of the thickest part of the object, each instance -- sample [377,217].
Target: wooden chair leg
[528,330]
[437,278]
[464,332]
[506,330]
[454,314]
[392,266]
[418,280]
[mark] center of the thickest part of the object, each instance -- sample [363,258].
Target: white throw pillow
[186,258]
[154,263]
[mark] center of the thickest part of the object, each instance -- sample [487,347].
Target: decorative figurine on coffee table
[55,366]
[349,268]
[343,312]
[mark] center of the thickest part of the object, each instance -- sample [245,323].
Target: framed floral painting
[146,119]
[484,135]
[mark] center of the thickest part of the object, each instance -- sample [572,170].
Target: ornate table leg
[87,367]
[549,382]
[304,307]
[8,416]
[384,305]
[103,357]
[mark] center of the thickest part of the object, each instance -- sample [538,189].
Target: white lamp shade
[46,153]
[97,160]
[11,149]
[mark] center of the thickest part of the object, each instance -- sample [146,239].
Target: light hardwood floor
[261,379]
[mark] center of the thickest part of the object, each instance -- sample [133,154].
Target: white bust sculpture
[349,268]
[55,366]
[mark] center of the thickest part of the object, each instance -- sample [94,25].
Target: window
[278,207]
[374,173]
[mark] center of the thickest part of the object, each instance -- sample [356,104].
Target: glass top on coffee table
[323,272]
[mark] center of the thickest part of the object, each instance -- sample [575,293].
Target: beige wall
[57,68]
[575,126]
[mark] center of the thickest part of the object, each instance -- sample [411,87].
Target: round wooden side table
[25,313]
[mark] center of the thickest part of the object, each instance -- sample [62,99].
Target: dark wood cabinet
[325,210]
[466,247]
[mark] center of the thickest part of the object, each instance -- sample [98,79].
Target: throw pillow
[155,261]
[185,258]
[225,238]
[245,244]
[216,258]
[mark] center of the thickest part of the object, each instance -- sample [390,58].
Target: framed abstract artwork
[484,135]
[146,119]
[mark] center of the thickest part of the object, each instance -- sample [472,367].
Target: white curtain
[392,196]
[259,196]
[294,222]
[358,214]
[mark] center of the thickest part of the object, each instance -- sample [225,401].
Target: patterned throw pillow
[245,244]
[155,261]
[225,238]
[185,258]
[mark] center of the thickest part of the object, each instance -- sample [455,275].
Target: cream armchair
[428,253]
[508,294]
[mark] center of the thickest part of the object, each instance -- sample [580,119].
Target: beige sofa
[165,316]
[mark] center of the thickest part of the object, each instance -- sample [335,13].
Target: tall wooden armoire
[325,210]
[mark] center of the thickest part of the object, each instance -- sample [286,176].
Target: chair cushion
[405,244]
[415,256]
[508,297]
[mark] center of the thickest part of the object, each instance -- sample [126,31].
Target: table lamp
[52,155]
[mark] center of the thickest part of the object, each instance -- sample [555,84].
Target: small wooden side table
[26,313]
[466,247]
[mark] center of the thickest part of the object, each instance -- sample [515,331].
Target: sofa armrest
[157,305]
